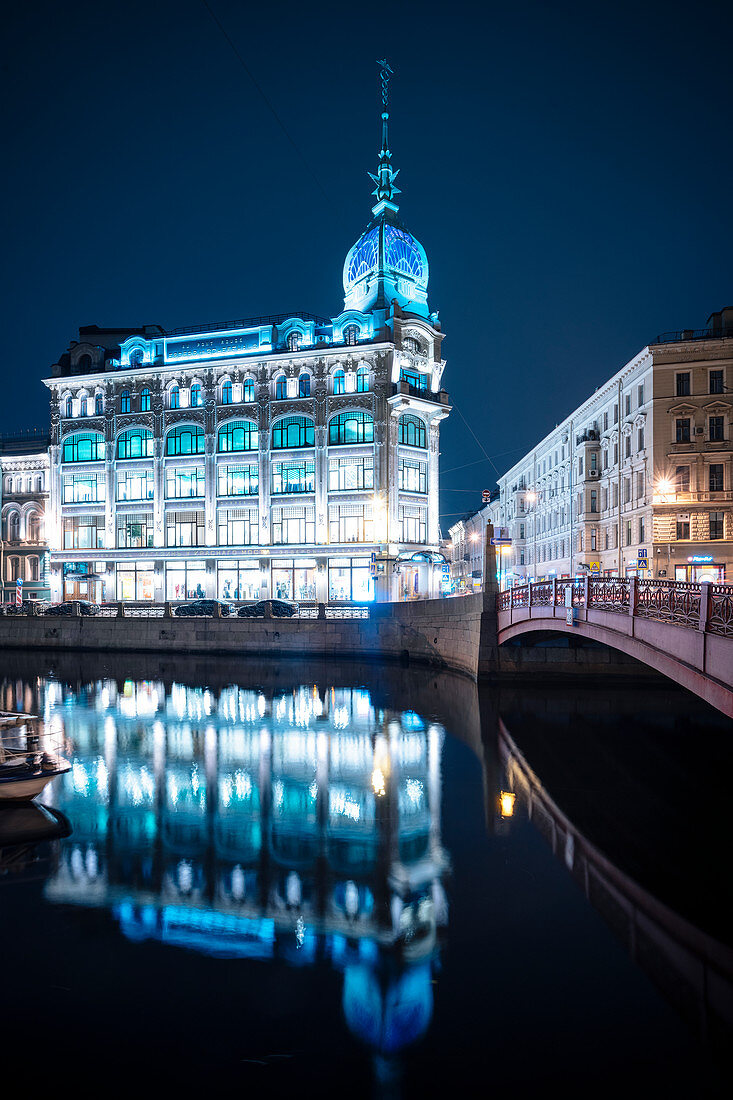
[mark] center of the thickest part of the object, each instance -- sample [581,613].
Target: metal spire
[386,175]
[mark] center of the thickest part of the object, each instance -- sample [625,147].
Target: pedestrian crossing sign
[642,563]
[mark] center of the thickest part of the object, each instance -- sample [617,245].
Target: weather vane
[385,72]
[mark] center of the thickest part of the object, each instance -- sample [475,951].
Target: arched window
[339,381]
[195,395]
[351,334]
[13,569]
[13,527]
[186,439]
[145,398]
[226,393]
[411,343]
[249,389]
[135,443]
[85,363]
[99,405]
[83,447]
[34,527]
[304,385]
[125,402]
[239,435]
[281,387]
[83,406]
[39,483]
[69,408]
[351,427]
[32,569]
[136,358]
[293,431]
[174,397]
[362,380]
[412,431]
[294,341]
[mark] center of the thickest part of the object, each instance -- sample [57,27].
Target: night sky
[567,167]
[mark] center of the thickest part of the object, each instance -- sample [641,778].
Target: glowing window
[351,334]
[226,393]
[175,397]
[362,380]
[411,431]
[240,435]
[188,439]
[351,427]
[339,382]
[365,256]
[83,447]
[99,404]
[304,385]
[196,395]
[294,341]
[135,443]
[281,387]
[249,389]
[145,397]
[293,431]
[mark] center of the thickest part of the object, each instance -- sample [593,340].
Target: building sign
[212,347]
[701,559]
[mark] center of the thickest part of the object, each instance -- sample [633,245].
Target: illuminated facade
[260,458]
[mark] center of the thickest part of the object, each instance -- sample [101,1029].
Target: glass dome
[402,256]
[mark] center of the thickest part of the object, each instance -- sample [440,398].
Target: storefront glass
[136,581]
[697,572]
[294,579]
[185,580]
[350,579]
[238,580]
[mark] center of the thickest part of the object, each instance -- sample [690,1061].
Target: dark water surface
[296,879]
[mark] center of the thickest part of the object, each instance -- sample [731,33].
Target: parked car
[281,609]
[67,608]
[205,607]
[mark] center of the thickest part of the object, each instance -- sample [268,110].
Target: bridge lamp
[506,803]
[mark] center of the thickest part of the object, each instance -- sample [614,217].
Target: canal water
[342,880]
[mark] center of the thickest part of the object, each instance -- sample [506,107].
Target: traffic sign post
[19,591]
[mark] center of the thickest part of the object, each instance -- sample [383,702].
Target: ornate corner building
[289,456]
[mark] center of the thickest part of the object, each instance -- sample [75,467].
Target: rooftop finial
[386,175]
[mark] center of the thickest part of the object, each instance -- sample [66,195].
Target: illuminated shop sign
[212,347]
[700,559]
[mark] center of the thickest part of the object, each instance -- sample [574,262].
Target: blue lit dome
[386,262]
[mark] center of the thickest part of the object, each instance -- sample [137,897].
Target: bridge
[682,630]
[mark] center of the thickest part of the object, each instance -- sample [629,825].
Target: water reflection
[301,825]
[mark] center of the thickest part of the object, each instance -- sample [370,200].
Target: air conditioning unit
[593,473]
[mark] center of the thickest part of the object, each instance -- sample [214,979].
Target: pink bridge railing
[705,606]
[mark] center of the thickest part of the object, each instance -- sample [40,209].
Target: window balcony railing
[440,398]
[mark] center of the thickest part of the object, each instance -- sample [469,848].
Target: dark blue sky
[567,167]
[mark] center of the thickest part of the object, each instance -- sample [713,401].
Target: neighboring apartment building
[637,481]
[23,501]
[292,456]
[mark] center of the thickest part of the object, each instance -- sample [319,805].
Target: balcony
[406,390]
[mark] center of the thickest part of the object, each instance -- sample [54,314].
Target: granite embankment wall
[440,633]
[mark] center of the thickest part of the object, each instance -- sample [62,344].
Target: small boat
[25,769]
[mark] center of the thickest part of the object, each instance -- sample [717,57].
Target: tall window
[294,340]
[716,424]
[188,439]
[682,432]
[293,431]
[249,390]
[83,447]
[339,382]
[135,443]
[682,381]
[362,380]
[350,427]
[351,334]
[350,523]
[239,435]
[69,408]
[281,387]
[79,488]
[716,525]
[413,523]
[196,395]
[716,381]
[716,477]
[304,385]
[640,439]
[682,479]
[226,393]
[135,531]
[175,397]
[125,401]
[237,527]
[413,477]
[83,532]
[291,525]
[98,405]
[412,431]
[145,397]
[415,380]
[82,406]
[134,485]
[683,527]
[350,473]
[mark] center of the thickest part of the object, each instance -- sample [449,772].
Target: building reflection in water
[302,826]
